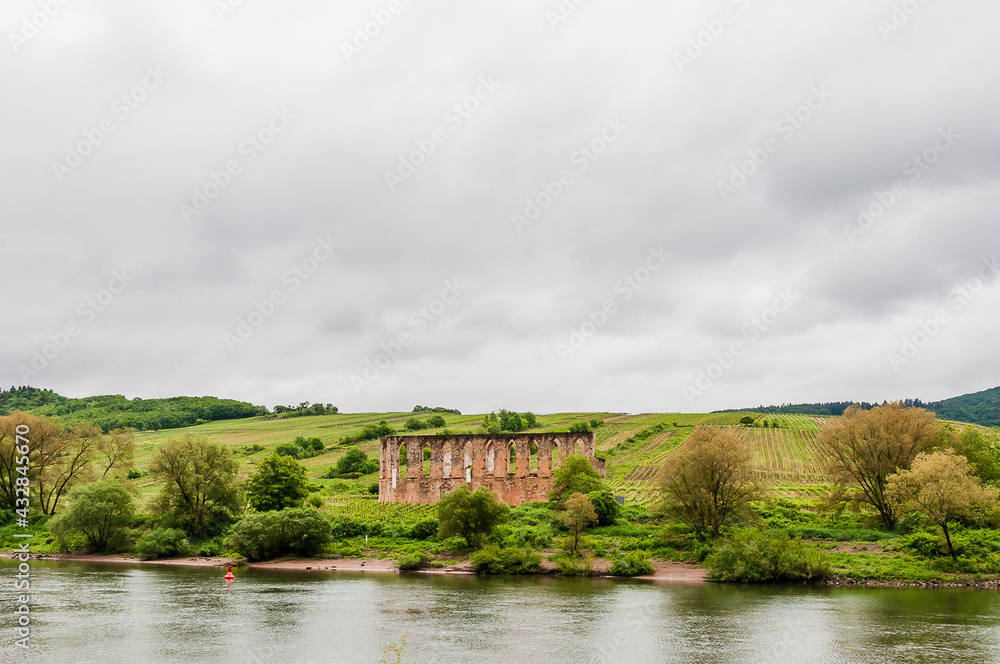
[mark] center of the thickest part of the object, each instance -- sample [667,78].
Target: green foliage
[100,512]
[163,543]
[491,423]
[595,423]
[510,421]
[116,412]
[606,507]
[579,427]
[373,431]
[315,500]
[288,450]
[573,565]
[279,483]
[414,424]
[508,560]
[425,529]
[979,408]
[530,421]
[412,561]
[983,453]
[754,556]
[266,535]
[473,516]
[633,563]
[746,421]
[211,548]
[353,462]
[436,422]
[574,475]
[200,484]
[439,409]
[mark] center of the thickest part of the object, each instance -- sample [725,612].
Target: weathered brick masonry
[481,460]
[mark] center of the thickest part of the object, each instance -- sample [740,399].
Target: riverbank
[663,570]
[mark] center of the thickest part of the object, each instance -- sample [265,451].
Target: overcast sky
[591,205]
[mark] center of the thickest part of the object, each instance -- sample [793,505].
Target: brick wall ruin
[480,460]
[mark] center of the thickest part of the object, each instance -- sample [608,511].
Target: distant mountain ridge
[977,408]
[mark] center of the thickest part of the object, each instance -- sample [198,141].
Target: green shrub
[570,565]
[922,543]
[315,500]
[163,543]
[605,506]
[436,422]
[412,561]
[455,543]
[288,449]
[510,560]
[266,535]
[211,548]
[753,556]
[424,529]
[100,511]
[633,563]
[579,427]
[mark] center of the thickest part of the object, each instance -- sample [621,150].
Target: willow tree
[942,486]
[708,481]
[865,447]
[200,482]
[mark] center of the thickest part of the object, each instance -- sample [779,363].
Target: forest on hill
[116,411]
[981,408]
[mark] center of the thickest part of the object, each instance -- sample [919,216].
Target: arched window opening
[491,457]
[513,459]
[533,451]
[427,461]
[402,462]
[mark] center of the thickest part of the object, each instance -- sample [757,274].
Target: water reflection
[127,614]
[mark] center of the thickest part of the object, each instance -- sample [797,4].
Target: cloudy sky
[578,205]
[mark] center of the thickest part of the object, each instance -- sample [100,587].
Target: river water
[112,613]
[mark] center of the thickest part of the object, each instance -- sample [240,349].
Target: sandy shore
[664,571]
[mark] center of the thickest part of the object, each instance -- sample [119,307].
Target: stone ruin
[478,460]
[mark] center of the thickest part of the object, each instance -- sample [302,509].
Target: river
[108,614]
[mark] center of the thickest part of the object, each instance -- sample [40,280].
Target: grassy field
[788,458]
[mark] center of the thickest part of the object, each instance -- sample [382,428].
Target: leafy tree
[100,511]
[373,431]
[983,453]
[530,421]
[44,433]
[310,446]
[579,427]
[707,481]
[288,450]
[279,482]
[473,516]
[606,507]
[574,475]
[941,486]
[578,516]
[266,535]
[163,543]
[200,482]
[414,424]
[355,461]
[116,451]
[491,423]
[510,421]
[436,422]
[595,423]
[866,446]
[746,421]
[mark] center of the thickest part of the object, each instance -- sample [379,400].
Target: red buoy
[229,574]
